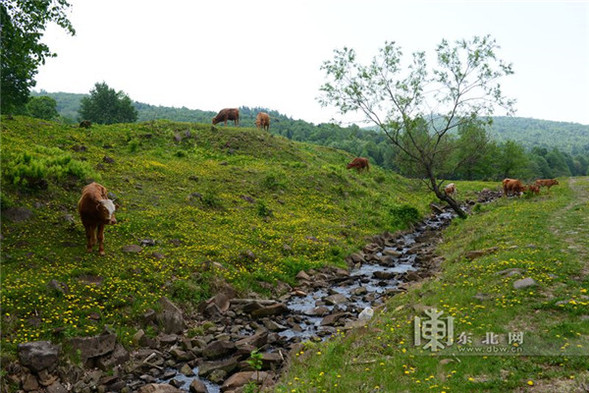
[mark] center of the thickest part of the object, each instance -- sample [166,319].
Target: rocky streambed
[208,351]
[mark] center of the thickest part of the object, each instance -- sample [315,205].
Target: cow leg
[101,239]
[90,237]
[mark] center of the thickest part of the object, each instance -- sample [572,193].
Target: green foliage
[416,118]
[263,209]
[255,360]
[570,138]
[43,107]
[404,215]
[23,24]
[106,106]
[36,168]
[274,181]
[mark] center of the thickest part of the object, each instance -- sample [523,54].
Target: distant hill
[571,138]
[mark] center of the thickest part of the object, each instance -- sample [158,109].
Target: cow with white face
[96,211]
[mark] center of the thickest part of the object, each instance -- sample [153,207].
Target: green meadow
[207,205]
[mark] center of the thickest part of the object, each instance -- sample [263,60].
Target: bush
[34,170]
[263,210]
[273,182]
[404,215]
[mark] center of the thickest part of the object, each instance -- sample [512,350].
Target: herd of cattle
[262,119]
[513,186]
[97,210]
[516,187]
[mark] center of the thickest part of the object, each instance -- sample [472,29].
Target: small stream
[317,308]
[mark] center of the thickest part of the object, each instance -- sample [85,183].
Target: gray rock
[332,319]
[132,248]
[524,283]
[119,356]
[57,387]
[39,355]
[187,370]
[159,388]
[218,349]
[92,347]
[197,386]
[17,214]
[227,365]
[170,317]
[337,298]
[274,309]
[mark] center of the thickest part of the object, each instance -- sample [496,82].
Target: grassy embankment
[221,204]
[545,238]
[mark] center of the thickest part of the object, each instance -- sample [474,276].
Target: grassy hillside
[204,204]
[543,238]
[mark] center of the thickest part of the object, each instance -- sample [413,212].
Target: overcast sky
[213,54]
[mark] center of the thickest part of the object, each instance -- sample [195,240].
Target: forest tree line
[514,147]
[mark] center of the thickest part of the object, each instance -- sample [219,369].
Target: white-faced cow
[96,211]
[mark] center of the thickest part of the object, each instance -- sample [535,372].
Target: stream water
[363,288]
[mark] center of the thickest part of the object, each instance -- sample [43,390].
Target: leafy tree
[557,162]
[512,160]
[43,107]
[22,25]
[471,158]
[106,106]
[417,107]
[544,170]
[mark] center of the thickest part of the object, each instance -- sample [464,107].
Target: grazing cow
[227,114]
[534,188]
[546,183]
[513,186]
[359,163]
[263,121]
[96,211]
[450,189]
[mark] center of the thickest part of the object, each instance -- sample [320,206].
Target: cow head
[106,209]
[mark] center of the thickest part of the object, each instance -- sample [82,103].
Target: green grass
[547,238]
[222,204]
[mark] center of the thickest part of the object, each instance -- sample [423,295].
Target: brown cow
[263,121]
[546,183]
[450,189]
[96,211]
[359,163]
[227,114]
[534,189]
[513,186]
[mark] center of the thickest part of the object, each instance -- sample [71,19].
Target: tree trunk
[453,204]
[447,198]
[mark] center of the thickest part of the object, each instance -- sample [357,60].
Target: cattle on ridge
[263,121]
[227,114]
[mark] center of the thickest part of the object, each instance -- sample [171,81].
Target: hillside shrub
[35,169]
[404,215]
[274,181]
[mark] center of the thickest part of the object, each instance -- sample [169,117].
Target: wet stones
[39,355]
